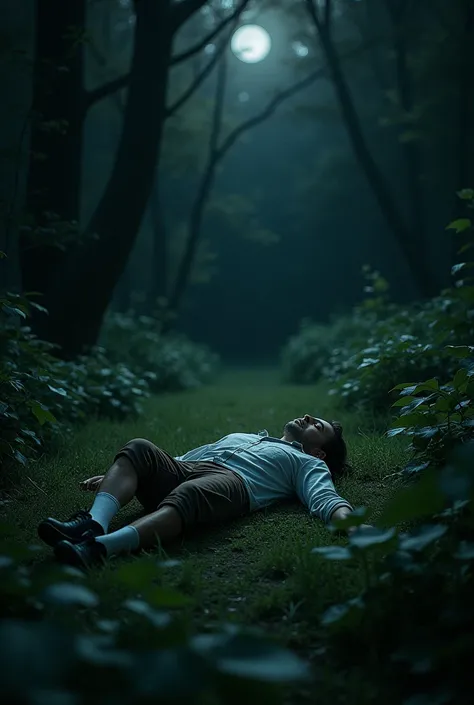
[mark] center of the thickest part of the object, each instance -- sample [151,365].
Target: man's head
[320,438]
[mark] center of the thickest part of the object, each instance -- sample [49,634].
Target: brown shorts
[201,491]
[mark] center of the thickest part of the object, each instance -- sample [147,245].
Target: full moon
[251,43]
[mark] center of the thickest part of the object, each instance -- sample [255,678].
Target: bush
[77,651]
[42,396]
[407,345]
[317,347]
[367,353]
[408,638]
[437,417]
[176,362]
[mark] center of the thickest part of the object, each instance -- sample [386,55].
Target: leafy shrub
[408,638]
[366,354]
[142,653]
[317,347]
[410,342]
[42,396]
[176,362]
[437,417]
[406,345]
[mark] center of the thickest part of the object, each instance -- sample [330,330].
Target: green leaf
[20,457]
[355,518]
[426,535]
[466,194]
[465,551]
[403,385]
[70,594]
[161,597]
[415,387]
[460,351]
[158,619]
[417,419]
[460,378]
[423,498]
[404,401]
[250,657]
[459,225]
[13,310]
[371,536]
[395,432]
[343,615]
[137,574]
[58,390]
[333,553]
[455,269]
[42,413]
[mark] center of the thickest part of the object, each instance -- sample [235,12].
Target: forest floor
[257,571]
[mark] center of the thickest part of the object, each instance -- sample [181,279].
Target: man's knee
[141,453]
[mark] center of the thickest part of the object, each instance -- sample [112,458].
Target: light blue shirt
[274,470]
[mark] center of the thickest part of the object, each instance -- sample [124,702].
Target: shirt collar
[295,444]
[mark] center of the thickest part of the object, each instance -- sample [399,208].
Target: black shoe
[81,555]
[51,531]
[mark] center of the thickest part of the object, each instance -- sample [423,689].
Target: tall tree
[322,18]
[464,125]
[54,178]
[80,293]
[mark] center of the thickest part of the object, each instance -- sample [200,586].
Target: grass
[256,571]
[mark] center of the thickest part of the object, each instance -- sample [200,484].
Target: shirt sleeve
[315,489]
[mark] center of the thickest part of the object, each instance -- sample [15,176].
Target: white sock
[124,540]
[104,509]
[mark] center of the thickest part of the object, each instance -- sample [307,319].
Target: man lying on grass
[238,474]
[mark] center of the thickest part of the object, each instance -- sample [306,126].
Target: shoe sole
[65,553]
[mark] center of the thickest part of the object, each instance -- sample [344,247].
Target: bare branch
[200,78]
[328,13]
[182,11]
[280,98]
[212,35]
[117,84]
[203,192]
[106,89]
[311,7]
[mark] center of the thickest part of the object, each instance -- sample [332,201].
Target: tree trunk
[159,279]
[411,148]
[54,179]
[81,295]
[421,272]
[464,117]
[17,21]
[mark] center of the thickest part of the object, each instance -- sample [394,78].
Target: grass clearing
[257,571]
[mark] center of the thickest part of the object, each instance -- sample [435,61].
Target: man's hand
[92,484]
[343,513]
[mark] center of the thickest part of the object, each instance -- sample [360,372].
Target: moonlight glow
[251,43]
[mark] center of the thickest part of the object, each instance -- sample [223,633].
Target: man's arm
[315,489]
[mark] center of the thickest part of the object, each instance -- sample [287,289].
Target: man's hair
[336,453]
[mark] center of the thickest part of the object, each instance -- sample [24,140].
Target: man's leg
[210,495]
[139,469]
[158,527]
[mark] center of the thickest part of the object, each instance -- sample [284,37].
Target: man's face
[311,432]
